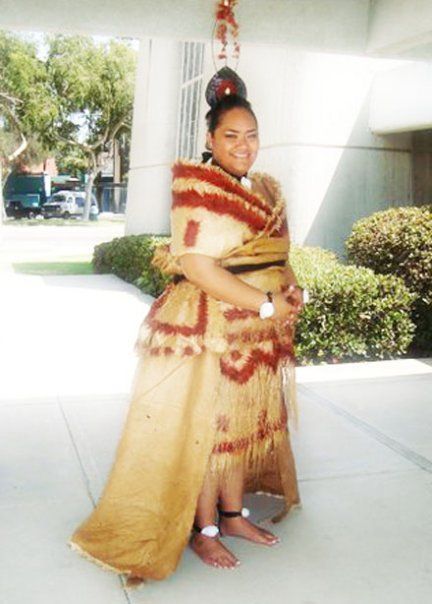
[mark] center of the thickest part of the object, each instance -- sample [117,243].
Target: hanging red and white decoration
[227,28]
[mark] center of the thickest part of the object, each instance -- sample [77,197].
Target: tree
[27,109]
[94,87]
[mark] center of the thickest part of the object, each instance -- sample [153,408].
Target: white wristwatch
[267,308]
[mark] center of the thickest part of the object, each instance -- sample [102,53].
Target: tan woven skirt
[186,418]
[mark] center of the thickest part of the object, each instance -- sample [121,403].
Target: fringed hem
[251,419]
[77,548]
[252,459]
[277,496]
[129,580]
[289,390]
[283,513]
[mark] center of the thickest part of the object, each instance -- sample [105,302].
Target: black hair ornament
[224,82]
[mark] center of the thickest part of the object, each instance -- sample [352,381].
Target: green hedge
[398,242]
[129,258]
[353,314]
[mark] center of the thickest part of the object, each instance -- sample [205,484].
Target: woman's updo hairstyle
[225,104]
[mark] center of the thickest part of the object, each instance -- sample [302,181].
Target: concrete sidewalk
[363,451]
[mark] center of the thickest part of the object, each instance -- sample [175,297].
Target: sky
[39,39]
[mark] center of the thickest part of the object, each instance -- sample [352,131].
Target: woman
[207,420]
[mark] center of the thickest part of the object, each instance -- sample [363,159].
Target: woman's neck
[215,163]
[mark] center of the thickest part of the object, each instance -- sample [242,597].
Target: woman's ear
[208,144]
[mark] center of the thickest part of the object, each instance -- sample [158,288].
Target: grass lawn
[54,268]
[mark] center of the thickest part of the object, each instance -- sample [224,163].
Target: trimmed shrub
[353,314]
[129,258]
[398,242]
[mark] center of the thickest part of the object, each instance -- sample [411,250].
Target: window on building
[190,99]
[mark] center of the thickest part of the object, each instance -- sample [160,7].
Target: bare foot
[241,527]
[213,552]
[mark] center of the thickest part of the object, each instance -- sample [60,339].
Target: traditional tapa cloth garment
[212,384]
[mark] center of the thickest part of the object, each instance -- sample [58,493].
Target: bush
[129,258]
[354,314]
[398,241]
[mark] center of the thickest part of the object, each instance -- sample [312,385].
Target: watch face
[266,310]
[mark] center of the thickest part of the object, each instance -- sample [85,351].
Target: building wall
[313,111]
[313,115]
[400,28]
[422,167]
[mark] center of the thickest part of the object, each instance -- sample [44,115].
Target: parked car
[65,204]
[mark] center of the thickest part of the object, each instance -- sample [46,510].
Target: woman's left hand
[295,298]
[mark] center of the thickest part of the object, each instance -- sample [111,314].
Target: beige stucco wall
[313,110]
[314,118]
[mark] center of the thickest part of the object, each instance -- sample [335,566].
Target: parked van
[65,204]
[24,194]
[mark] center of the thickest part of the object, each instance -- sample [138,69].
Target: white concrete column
[153,136]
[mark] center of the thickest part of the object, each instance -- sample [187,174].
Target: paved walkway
[41,242]
[363,451]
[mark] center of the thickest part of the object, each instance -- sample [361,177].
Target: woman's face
[235,141]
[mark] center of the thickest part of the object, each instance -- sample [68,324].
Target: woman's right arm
[205,272]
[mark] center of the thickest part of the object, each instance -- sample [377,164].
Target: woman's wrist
[267,308]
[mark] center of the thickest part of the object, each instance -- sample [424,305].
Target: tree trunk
[88,197]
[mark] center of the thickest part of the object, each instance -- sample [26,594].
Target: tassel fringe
[289,390]
[251,420]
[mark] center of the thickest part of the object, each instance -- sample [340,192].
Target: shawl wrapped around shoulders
[213,214]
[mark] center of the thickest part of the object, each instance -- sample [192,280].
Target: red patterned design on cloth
[211,175]
[191,233]
[198,328]
[232,314]
[265,430]
[241,372]
[166,350]
[282,231]
[219,204]
[268,332]
[255,357]
[159,350]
